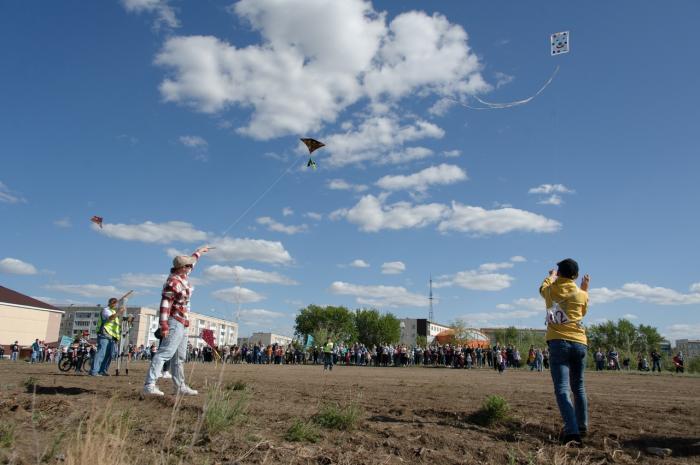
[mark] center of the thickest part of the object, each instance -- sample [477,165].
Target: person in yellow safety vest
[328,355]
[107,337]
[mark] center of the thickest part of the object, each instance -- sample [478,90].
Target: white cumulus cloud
[342,185]
[380,296]
[239,249]
[162,233]
[316,58]
[552,192]
[645,293]
[371,215]
[276,226]
[435,175]
[479,221]
[129,280]
[495,266]
[359,263]
[259,315]
[479,281]
[682,331]
[165,14]
[245,275]
[87,290]
[393,267]
[10,265]
[380,139]
[238,295]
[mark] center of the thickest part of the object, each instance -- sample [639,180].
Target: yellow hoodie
[573,301]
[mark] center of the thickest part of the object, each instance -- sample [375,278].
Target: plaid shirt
[175,299]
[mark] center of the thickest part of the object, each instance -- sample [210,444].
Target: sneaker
[104,374]
[186,391]
[166,375]
[573,439]
[152,390]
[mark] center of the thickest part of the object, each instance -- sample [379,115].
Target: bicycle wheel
[87,365]
[65,364]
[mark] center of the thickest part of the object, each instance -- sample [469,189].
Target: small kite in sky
[97,220]
[312,144]
[560,42]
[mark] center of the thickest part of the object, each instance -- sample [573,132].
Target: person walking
[36,351]
[678,361]
[328,355]
[108,336]
[566,337]
[655,360]
[14,351]
[174,309]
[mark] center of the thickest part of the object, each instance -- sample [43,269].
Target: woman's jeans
[567,361]
[173,348]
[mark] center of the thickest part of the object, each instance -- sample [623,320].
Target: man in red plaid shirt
[174,309]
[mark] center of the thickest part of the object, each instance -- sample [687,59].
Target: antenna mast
[430,299]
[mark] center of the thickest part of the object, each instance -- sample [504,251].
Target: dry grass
[101,438]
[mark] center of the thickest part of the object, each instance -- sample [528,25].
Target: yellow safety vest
[110,328]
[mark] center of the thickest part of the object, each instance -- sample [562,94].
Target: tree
[374,328]
[338,323]
[627,338]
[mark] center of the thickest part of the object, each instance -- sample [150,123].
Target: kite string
[498,106]
[250,207]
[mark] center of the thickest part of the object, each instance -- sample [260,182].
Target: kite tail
[499,106]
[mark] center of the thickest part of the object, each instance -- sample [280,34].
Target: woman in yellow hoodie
[566,337]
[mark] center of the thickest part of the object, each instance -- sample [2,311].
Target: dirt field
[407,415]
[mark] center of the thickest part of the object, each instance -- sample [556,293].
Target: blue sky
[170,119]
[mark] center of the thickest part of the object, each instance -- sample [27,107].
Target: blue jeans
[567,361]
[103,356]
[173,348]
[327,361]
[14,355]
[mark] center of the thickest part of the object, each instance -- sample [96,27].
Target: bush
[302,431]
[495,409]
[332,416]
[692,365]
[220,411]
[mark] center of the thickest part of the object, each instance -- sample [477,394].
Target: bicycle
[80,361]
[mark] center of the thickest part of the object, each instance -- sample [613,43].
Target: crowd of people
[498,357]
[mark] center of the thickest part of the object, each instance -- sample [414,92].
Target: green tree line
[366,326]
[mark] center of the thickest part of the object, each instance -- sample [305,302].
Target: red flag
[97,220]
[208,336]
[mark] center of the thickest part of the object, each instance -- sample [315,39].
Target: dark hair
[568,268]
[113,300]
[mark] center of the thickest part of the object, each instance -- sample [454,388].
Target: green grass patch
[236,386]
[302,431]
[221,410]
[7,435]
[333,416]
[494,410]
[29,383]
